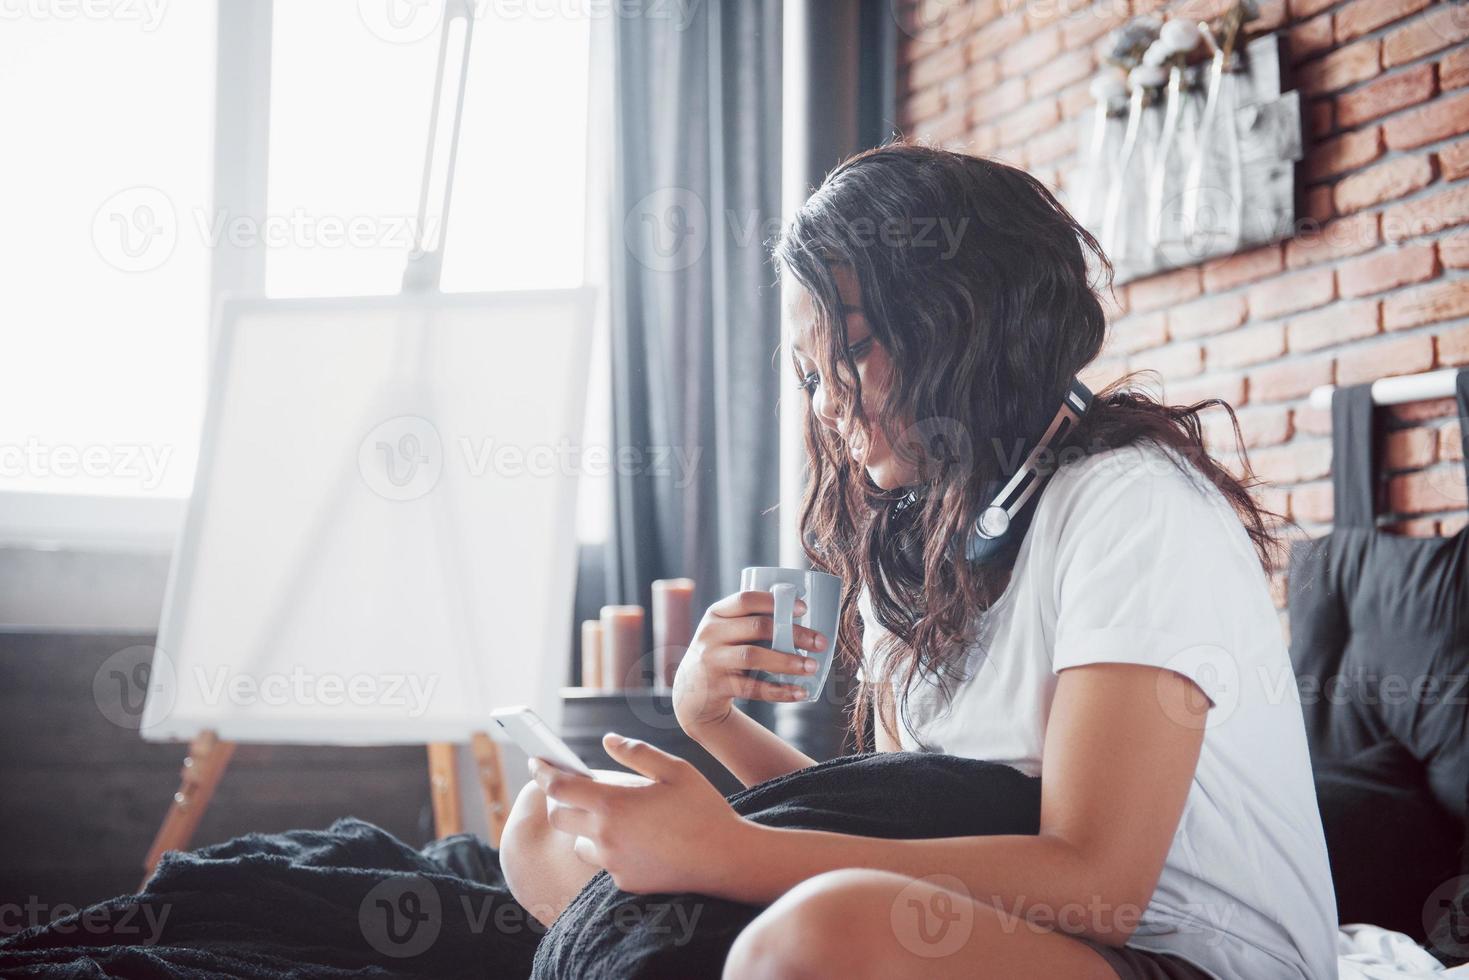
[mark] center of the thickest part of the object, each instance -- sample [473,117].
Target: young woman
[1125,649]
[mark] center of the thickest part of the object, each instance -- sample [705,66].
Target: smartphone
[535,738]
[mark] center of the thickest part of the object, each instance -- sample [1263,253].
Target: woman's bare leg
[540,867]
[859,923]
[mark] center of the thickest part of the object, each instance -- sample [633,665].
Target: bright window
[103,185]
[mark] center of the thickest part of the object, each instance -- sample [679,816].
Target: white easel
[209,755]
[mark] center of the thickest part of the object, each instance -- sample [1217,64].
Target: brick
[1091,22]
[1178,360]
[1315,421]
[1315,242]
[1292,293]
[1314,503]
[984,140]
[1165,290]
[1344,153]
[1331,325]
[1293,378]
[982,76]
[1444,300]
[1387,269]
[1365,16]
[1453,252]
[1439,28]
[1320,118]
[1415,412]
[1421,527]
[1451,442]
[932,69]
[1318,204]
[1426,491]
[1271,18]
[922,105]
[1031,52]
[1453,70]
[1301,9]
[1241,348]
[1267,426]
[943,128]
[1053,144]
[1243,267]
[1340,68]
[1062,71]
[1021,125]
[1228,388]
[1368,362]
[997,100]
[1299,462]
[1384,95]
[1309,38]
[1209,315]
[1410,449]
[1384,182]
[995,36]
[1453,351]
[1076,99]
[1426,215]
[1445,116]
[1102,372]
[1453,160]
[1134,333]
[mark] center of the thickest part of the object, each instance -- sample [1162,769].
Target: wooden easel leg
[492,782]
[443,783]
[203,766]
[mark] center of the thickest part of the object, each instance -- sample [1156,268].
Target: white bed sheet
[1366,952]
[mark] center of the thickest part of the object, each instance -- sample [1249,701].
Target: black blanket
[355,901]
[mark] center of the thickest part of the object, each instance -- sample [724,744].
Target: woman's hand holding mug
[725,647]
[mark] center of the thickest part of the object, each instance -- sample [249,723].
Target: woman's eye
[809,382]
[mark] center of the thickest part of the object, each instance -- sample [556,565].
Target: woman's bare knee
[540,867]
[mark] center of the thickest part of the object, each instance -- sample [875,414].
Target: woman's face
[869,449]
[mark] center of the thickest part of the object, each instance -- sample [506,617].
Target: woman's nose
[824,409]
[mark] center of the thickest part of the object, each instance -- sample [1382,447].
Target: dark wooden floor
[81,795]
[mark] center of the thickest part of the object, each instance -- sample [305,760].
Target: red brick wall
[1373,284]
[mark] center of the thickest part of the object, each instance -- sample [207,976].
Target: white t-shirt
[1130,560]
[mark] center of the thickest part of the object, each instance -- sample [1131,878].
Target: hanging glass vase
[1124,223]
[1213,190]
[1177,148]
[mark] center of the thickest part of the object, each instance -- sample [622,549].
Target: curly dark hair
[983,291]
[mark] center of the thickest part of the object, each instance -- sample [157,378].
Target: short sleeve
[1149,570]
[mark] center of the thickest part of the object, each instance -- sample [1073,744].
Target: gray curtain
[694,310]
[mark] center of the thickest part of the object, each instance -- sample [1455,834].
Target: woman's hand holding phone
[725,647]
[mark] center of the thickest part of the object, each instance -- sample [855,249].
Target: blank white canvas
[381,545]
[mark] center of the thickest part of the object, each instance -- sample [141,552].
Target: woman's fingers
[750,688]
[750,603]
[567,787]
[570,820]
[754,629]
[748,656]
